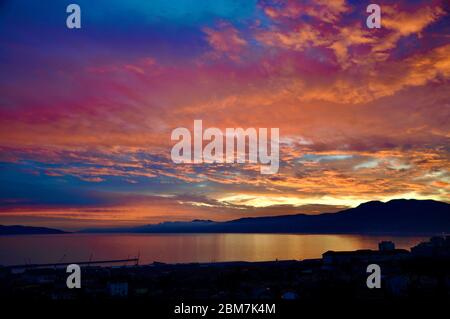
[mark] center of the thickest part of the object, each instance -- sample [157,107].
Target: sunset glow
[86,115]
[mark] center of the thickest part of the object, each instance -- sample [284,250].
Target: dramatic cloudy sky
[86,115]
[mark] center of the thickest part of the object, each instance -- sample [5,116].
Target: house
[436,247]
[289,295]
[364,256]
[118,289]
[386,246]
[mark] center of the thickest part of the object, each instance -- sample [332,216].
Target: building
[289,295]
[386,246]
[118,289]
[363,256]
[437,246]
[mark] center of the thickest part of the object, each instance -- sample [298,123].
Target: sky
[86,114]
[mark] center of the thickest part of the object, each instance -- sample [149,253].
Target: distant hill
[27,230]
[398,216]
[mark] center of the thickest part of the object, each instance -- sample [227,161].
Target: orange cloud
[226,41]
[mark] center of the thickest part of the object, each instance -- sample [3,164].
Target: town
[421,272]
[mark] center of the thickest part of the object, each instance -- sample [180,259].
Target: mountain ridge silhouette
[395,216]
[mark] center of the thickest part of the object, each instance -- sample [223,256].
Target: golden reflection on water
[183,247]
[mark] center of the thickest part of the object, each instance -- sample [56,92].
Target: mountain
[398,216]
[27,230]
[195,226]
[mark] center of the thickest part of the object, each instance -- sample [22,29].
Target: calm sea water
[177,248]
